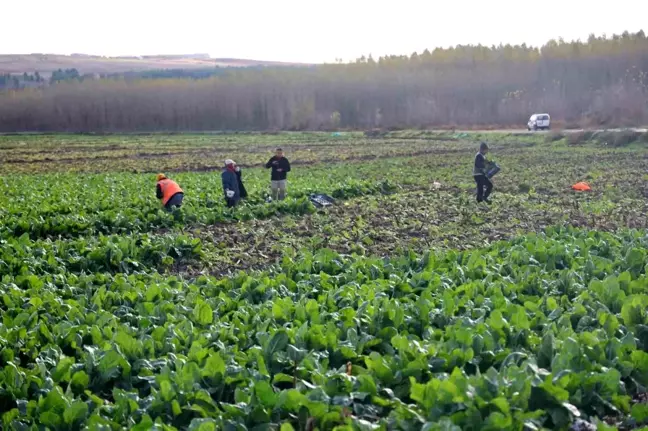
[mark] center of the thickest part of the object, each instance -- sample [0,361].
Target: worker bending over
[169,192]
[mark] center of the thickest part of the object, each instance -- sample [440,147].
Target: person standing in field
[242,190]
[169,192]
[230,184]
[484,184]
[280,167]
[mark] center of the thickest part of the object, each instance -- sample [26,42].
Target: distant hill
[45,64]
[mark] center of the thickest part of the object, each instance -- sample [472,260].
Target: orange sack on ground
[581,187]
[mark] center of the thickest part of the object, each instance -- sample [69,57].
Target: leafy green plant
[536,332]
[404,306]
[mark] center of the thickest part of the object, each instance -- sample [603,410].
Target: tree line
[10,81]
[600,82]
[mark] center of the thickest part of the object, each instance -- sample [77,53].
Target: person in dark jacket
[230,184]
[280,167]
[484,184]
[242,190]
[169,192]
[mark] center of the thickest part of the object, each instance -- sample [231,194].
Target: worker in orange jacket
[169,192]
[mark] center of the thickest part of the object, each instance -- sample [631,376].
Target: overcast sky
[301,30]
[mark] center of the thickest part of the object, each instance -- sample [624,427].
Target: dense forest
[599,82]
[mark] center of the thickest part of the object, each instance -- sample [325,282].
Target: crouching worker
[169,192]
[484,184]
[230,184]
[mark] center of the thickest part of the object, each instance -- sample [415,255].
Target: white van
[539,122]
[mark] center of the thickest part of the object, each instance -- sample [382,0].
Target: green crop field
[405,306]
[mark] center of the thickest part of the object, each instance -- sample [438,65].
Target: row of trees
[598,82]
[61,75]
[201,73]
[10,81]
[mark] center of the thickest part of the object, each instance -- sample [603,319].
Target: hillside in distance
[90,64]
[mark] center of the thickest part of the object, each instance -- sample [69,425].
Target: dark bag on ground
[321,200]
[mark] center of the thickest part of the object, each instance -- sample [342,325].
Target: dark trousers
[175,201]
[484,187]
[231,203]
